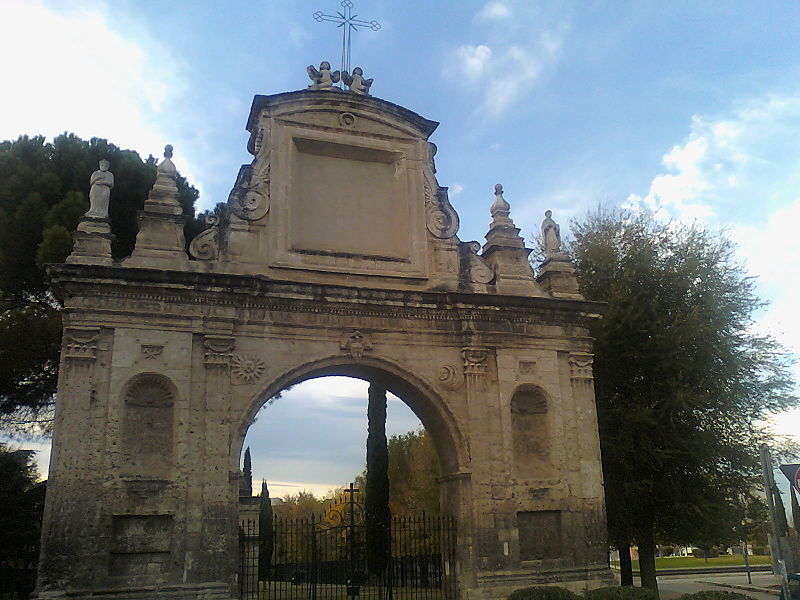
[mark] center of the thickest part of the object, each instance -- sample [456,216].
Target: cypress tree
[376,504]
[266,533]
[246,481]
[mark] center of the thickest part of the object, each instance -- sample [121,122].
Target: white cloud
[494,11]
[747,155]
[505,74]
[473,61]
[456,189]
[742,172]
[84,73]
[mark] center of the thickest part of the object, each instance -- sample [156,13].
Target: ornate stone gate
[338,256]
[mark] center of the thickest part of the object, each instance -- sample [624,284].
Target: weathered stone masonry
[166,361]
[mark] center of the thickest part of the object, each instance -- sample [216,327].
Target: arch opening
[417,395]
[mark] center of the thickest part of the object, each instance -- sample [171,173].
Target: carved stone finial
[356,82]
[551,234]
[168,151]
[324,78]
[505,252]
[500,207]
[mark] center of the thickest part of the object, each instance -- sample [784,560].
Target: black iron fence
[324,559]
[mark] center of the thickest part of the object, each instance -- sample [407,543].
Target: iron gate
[324,559]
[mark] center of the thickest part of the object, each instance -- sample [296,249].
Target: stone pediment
[333,110]
[341,184]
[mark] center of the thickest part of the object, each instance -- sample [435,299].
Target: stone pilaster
[220,485]
[69,536]
[590,489]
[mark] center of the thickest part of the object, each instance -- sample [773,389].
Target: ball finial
[168,151]
[498,188]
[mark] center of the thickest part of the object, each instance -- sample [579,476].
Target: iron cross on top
[348,23]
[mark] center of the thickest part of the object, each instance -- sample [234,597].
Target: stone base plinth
[160,242]
[92,242]
[557,276]
[199,591]
[499,584]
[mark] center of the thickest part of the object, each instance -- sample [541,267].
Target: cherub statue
[324,78]
[356,82]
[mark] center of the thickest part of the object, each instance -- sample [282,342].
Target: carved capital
[80,343]
[356,344]
[474,360]
[219,349]
[580,365]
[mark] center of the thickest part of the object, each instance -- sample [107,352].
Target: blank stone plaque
[348,201]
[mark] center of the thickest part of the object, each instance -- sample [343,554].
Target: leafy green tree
[413,469]
[21,506]
[683,384]
[44,188]
[756,524]
[376,501]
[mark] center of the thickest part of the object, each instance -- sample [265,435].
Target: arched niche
[148,426]
[530,432]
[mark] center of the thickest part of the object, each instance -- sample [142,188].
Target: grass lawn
[689,562]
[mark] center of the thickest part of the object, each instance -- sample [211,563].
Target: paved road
[673,586]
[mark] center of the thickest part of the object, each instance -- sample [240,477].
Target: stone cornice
[425,126]
[249,292]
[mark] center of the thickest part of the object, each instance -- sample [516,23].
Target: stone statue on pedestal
[102,181]
[92,239]
[551,234]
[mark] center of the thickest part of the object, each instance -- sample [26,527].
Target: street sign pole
[777,547]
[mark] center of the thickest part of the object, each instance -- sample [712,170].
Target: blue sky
[692,108]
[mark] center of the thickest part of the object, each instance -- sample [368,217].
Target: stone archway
[419,395]
[338,255]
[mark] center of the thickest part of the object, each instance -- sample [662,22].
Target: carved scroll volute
[218,350]
[479,271]
[440,217]
[205,246]
[80,343]
[580,365]
[249,198]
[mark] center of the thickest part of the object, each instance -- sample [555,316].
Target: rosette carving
[450,377]
[246,369]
